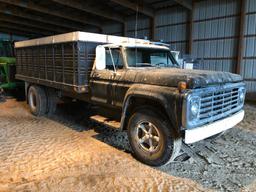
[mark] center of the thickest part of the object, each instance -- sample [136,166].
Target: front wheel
[152,139]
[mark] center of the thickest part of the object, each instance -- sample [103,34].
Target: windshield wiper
[145,64]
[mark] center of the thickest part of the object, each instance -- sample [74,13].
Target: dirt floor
[67,152]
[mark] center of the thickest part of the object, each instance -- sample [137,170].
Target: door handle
[97,75]
[115,74]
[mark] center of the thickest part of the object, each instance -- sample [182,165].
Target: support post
[11,37]
[152,28]
[124,29]
[240,48]
[190,28]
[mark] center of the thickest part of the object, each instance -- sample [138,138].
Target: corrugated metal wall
[171,27]
[215,34]
[113,29]
[4,36]
[248,68]
[143,27]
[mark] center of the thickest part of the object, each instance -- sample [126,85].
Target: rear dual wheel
[41,101]
[152,139]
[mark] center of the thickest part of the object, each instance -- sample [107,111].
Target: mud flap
[202,154]
[193,154]
[2,96]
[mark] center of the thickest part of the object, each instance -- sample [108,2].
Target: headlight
[195,107]
[241,94]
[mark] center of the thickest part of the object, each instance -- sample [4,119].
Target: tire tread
[42,100]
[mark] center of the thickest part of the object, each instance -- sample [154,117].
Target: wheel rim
[32,100]
[148,136]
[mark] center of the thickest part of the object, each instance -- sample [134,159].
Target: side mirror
[175,54]
[100,58]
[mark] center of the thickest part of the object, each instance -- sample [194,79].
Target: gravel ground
[67,152]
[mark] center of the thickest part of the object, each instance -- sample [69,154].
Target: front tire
[37,100]
[152,139]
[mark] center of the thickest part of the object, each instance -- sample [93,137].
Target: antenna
[136,31]
[136,22]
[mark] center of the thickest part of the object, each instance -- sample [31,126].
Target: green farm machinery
[8,69]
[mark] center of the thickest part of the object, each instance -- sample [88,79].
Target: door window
[117,58]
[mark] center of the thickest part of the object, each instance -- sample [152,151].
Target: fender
[168,97]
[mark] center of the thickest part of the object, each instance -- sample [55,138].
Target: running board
[107,122]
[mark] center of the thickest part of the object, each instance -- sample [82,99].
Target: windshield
[149,57]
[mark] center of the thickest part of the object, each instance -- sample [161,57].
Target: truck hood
[194,78]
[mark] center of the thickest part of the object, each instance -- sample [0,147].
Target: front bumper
[203,132]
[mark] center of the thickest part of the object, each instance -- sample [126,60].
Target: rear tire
[164,145]
[51,101]
[37,100]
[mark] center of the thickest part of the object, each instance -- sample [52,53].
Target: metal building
[219,33]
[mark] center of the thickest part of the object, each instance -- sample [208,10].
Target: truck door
[103,82]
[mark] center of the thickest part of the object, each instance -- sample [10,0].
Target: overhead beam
[30,5]
[185,3]
[86,7]
[19,27]
[19,12]
[29,23]
[162,4]
[17,32]
[136,7]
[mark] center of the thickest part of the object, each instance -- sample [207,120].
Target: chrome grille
[218,103]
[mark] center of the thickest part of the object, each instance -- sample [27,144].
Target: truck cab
[162,104]
[118,66]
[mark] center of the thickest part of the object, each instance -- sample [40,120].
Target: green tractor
[8,69]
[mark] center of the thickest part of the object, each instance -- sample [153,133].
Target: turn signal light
[182,86]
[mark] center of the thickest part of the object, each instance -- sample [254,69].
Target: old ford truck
[159,104]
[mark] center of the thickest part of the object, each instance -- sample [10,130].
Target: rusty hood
[194,78]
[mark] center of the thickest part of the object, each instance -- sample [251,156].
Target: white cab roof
[138,45]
